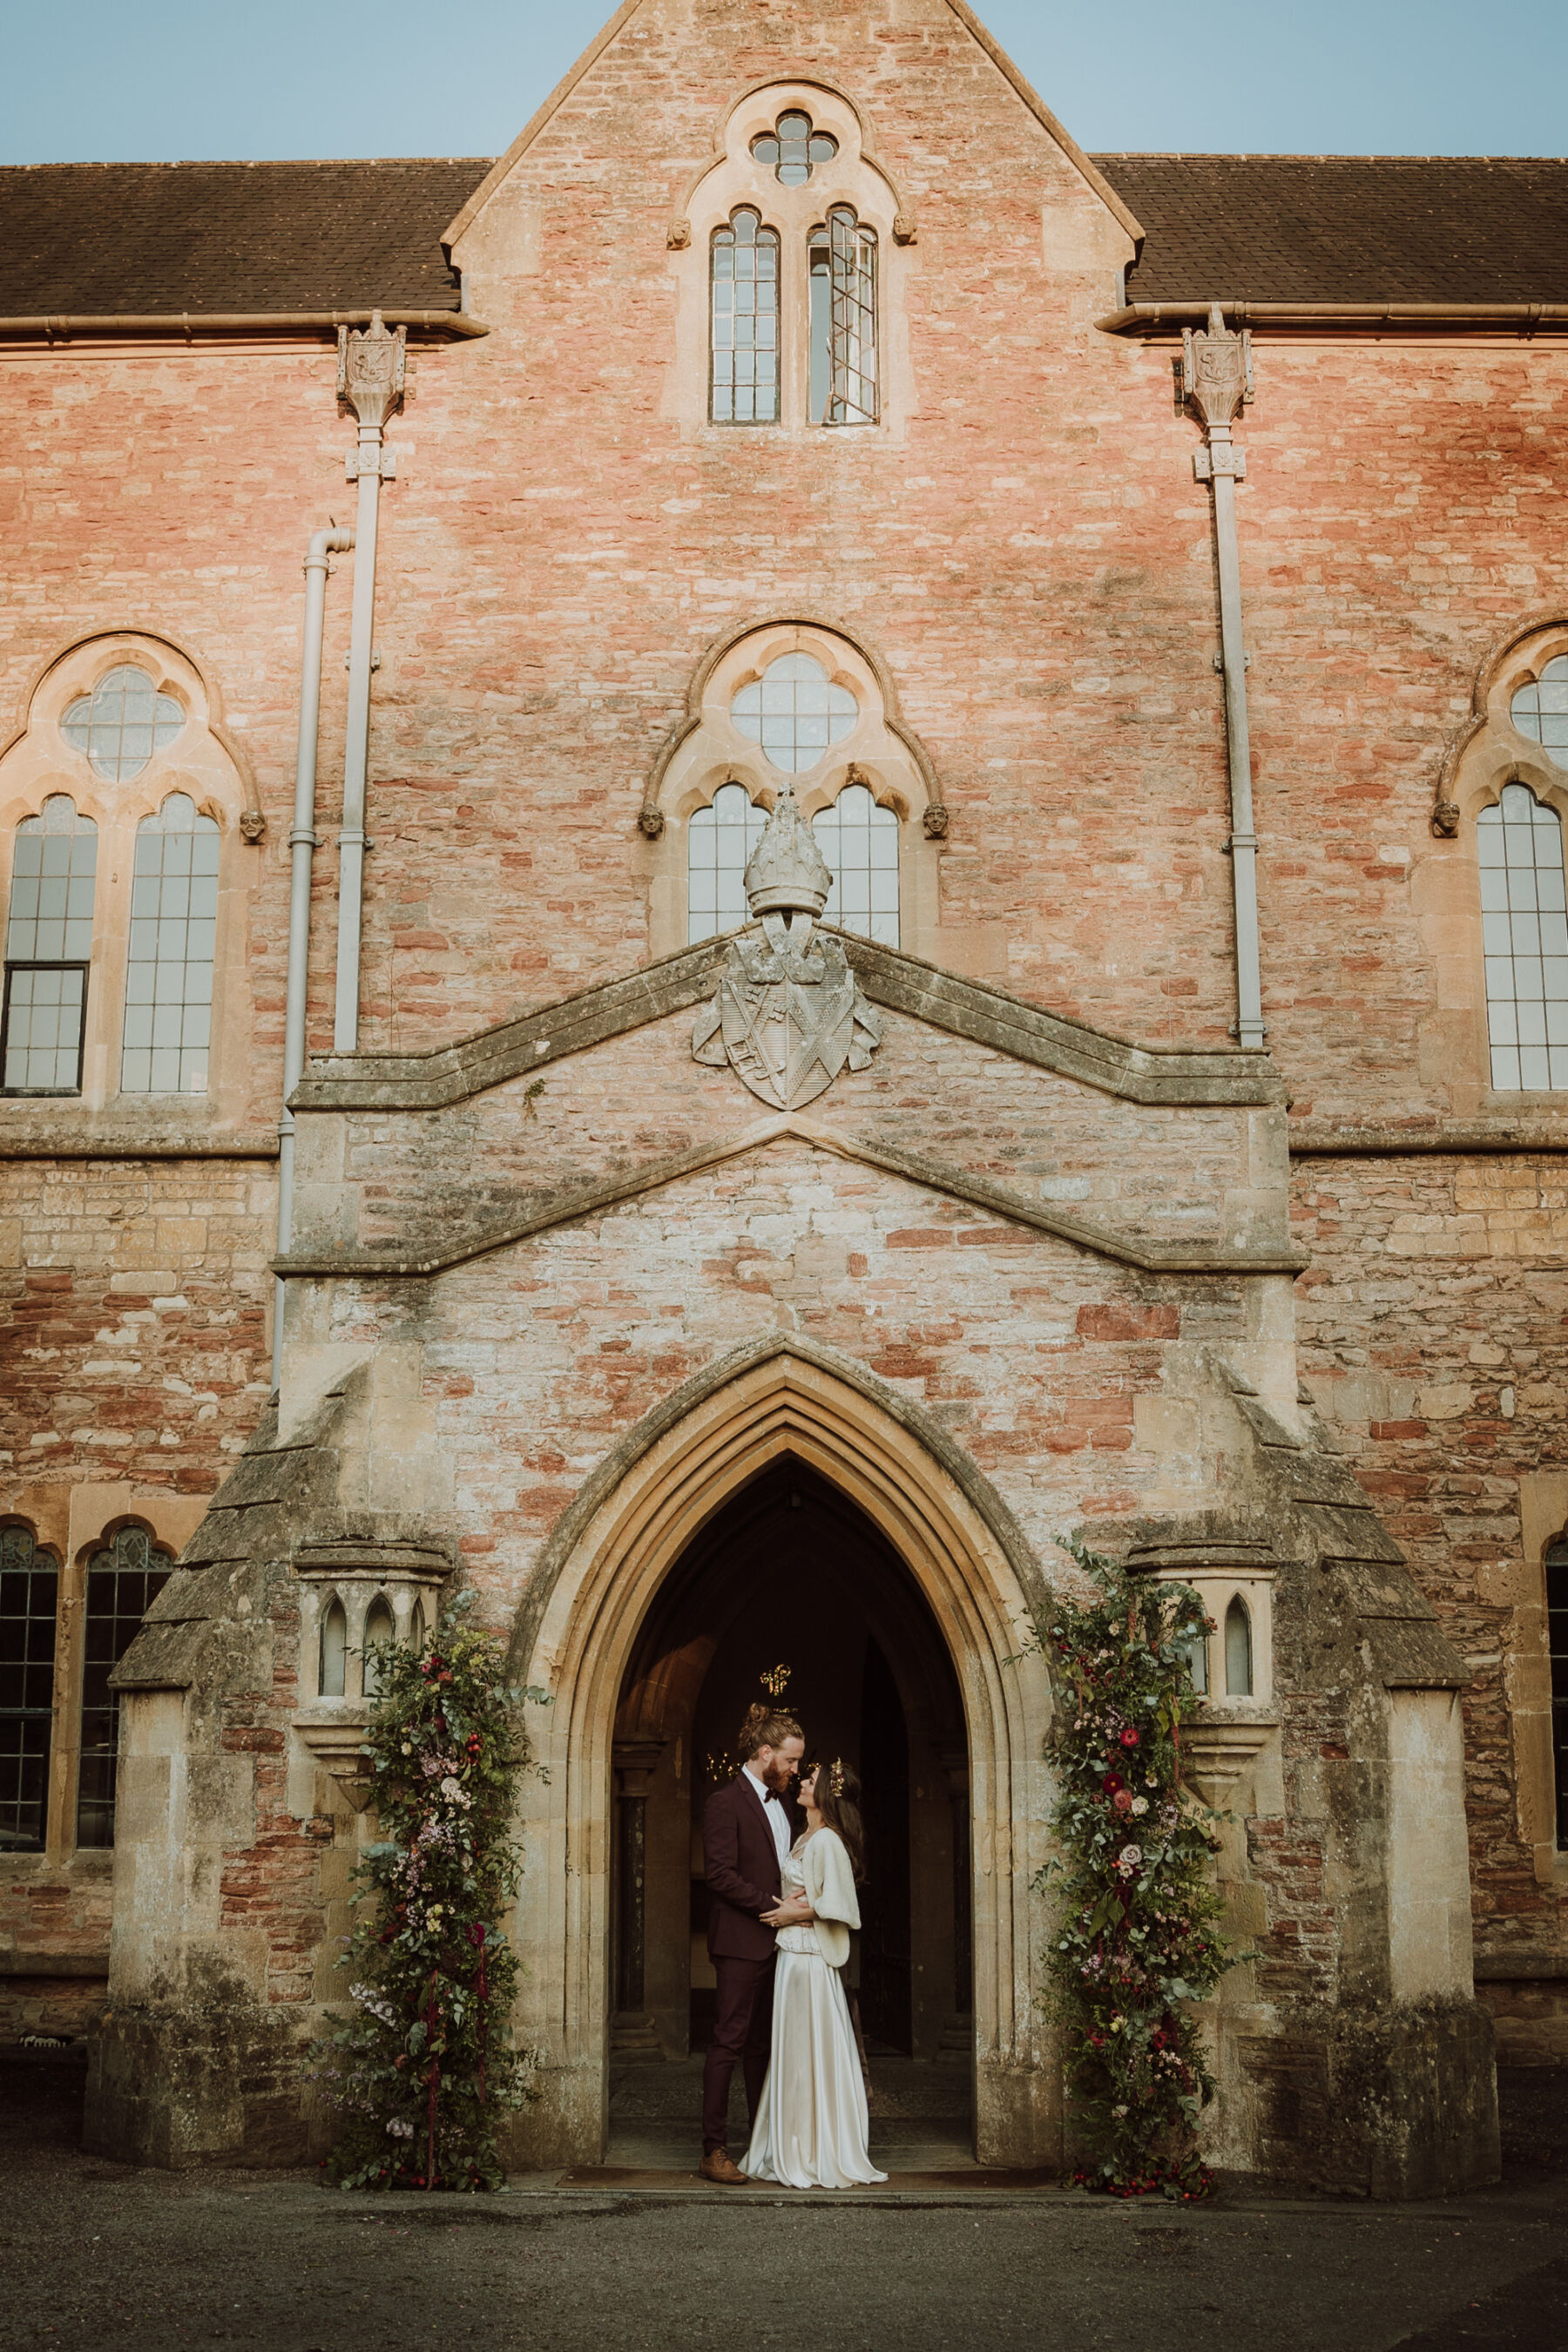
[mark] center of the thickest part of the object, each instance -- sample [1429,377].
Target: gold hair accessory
[836,1776]
[776,1681]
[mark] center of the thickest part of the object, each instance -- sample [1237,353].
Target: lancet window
[843,256]
[48,947]
[1237,1650]
[1524,941]
[860,844]
[744,342]
[719,840]
[1557,1647]
[29,1597]
[123,1580]
[169,975]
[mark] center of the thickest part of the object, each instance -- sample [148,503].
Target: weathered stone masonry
[551,1280]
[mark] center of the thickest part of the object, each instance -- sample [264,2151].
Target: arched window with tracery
[169,970]
[860,844]
[1524,939]
[29,1599]
[123,1580]
[843,364]
[743,279]
[48,948]
[719,840]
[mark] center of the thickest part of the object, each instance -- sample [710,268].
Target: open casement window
[1524,939]
[743,269]
[29,1596]
[122,1581]
[48,947]
[169,973]
[843,258]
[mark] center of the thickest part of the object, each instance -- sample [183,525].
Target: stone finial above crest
[789,1013]
[787,871]
[1216,370]
[370,366]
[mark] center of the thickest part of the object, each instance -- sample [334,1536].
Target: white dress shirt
[773,1808]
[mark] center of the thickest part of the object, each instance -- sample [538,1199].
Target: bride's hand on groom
[792,1914]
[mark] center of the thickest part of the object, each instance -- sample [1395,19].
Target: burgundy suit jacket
[741,1867]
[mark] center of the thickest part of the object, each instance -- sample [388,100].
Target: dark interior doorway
[790,1574]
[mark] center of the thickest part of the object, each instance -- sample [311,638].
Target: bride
[811,2126]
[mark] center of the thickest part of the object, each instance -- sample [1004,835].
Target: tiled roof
[103,239]
[1346,228]
[90,239]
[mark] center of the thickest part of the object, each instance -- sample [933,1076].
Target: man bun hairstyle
[765,1727]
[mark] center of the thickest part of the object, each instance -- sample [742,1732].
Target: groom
[747,1831]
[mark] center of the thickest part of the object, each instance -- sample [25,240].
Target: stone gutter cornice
[1524,319]
[53,328]
[609,1192]
[1173,1077]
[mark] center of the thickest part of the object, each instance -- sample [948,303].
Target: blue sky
[209,77]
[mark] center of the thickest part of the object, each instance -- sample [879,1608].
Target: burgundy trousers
[744,2031]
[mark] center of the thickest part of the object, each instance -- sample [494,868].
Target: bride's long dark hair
[837,1800]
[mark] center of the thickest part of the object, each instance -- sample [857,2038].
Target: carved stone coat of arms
[788,1013]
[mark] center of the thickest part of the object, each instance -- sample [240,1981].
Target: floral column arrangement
[423,2071]
[1137,1940]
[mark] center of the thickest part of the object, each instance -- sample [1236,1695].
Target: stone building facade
[1138,581]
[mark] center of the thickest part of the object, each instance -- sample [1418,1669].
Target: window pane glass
[29,1594]
[43,1024]
[172,939]
[744,383]
[53,876]
[718,841]
[1519,844]
[121,723]
[851,255]
[860,844]
[793,148]
[1540,711]
[122,1581]
[795,712]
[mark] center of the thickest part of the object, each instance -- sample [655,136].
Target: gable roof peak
[499,172]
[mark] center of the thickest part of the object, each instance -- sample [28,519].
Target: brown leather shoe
[717,2164]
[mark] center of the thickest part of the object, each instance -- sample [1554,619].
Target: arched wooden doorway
[791,1574]
[636,1517]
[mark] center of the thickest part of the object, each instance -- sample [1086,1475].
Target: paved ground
[97,2256]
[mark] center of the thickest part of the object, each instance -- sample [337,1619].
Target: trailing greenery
[1137,1939]
[423,2070]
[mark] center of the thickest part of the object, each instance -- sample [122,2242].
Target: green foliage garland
[1137,1938]
[423,2070]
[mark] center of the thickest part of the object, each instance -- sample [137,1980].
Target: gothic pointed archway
[635,1519]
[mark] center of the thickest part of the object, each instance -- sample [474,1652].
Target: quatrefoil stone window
[793,148]
[121,723]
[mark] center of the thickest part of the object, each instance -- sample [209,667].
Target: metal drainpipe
[370,380]
[1217,379]
[302,840]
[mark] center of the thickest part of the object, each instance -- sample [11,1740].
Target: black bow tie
[770,1796]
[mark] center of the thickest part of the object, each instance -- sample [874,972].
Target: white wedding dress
[812,2127]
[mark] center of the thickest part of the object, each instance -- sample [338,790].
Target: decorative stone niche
[353,1595]
[1233,1669]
